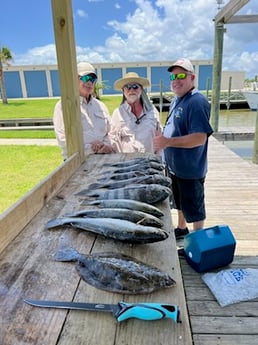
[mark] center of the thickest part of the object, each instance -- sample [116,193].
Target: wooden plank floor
[231,199]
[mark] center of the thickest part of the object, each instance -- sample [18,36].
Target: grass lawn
[33,108]
[28,134]
[22,167]
[43,108]
[39,108]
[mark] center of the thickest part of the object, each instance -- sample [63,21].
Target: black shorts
[188,196]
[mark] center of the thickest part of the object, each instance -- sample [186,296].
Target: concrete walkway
[46,142]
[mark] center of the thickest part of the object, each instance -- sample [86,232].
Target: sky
[130,31]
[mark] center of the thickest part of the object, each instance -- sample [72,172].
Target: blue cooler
[209,248]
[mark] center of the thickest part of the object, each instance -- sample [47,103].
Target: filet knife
[121,311]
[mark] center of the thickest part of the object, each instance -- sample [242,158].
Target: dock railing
[26,123]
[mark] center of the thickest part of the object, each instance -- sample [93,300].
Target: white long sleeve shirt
[131,135]
[95,121]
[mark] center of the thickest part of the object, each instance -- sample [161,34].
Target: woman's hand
[100,147]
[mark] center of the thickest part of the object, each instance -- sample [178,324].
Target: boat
[251,97]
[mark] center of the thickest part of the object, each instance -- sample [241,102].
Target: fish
[137,166]
[125,203]
[147,179]
[116,272]
[134,216]
[116,229]
[149,193]
[128,162]
[129,174]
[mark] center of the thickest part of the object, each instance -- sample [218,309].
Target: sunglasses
[86,78]
[178,76]
[132,86]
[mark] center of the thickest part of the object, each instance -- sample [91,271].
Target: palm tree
[5,57]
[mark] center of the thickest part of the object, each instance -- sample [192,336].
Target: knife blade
[121,311]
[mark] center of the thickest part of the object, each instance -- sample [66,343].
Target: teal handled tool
[122,311]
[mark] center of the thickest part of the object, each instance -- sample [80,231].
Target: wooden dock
[231,199]
[26,124]
[28,269]
[235,101]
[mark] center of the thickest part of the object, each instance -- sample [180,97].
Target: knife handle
[147,311]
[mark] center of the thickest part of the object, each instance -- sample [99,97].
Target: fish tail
[68,254]
[95,186]
[83,192]
[88,192]
[87,202]
[54,223]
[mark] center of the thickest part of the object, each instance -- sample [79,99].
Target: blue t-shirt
[188,114]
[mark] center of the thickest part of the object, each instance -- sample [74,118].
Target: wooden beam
[248,18]
[229,10]
[67,68]
[217,67]
[255,149]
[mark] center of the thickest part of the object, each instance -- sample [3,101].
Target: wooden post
[207,87]
[160,97]
[225,15]
[255,150]
[229,92]
[67,67]
[217,67]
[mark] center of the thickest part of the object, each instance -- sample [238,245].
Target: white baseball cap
[84,68]
[183,63]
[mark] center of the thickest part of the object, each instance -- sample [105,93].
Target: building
[43,80]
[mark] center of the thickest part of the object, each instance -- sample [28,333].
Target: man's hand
[160,142]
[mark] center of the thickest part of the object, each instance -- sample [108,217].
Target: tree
[5,57]
[98,87]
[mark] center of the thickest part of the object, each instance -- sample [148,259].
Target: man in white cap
[94,116]
[184,143]
[136,121]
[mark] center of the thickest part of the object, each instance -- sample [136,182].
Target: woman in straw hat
[136,121]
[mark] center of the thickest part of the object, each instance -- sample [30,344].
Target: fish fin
[141,221]
[68,254]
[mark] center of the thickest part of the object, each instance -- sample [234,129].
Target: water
[242,148]
[240,120]
[237,118]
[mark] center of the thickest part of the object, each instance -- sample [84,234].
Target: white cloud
[37,56]
[166,30]
[81,13]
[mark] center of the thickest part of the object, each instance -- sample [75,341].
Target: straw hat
[130,78]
